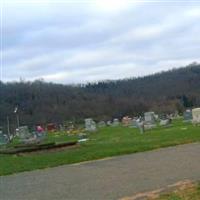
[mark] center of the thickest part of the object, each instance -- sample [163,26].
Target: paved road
[112,178]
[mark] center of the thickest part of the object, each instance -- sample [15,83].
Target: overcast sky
[84,41]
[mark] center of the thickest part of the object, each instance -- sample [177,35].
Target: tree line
[40,102]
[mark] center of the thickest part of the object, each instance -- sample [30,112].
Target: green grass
[106,142]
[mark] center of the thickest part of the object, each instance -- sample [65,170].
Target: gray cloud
[80,42]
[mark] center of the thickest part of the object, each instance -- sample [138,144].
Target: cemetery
[92,140]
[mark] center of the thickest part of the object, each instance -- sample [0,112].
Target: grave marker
[90,125]
[196,116]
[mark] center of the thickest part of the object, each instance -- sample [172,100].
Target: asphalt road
[112,178]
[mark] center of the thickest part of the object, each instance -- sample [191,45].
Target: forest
[42,102]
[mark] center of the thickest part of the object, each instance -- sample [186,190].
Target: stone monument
[90,124]
[187,115]
[196,116]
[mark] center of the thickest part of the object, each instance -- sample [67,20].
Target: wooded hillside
[40,102]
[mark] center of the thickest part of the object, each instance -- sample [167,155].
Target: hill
[40,102]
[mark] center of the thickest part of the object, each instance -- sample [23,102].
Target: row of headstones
[192,116]
[24,135]
[91,125]
[149,122]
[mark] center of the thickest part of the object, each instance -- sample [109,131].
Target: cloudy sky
[84,41]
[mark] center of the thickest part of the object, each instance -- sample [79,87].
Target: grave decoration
[40,133]
[70,126]
[196,116]
[90,124]
[51,127]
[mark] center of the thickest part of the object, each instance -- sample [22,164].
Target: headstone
[101,124]
[149,120]
[165,122]
[134,122]
[109,123]
[90,125]
[3,138]
[115,122]
[126,121]
[29,137]
[24,133]
[148,126]
[196,116]
[149,117]
[187,115]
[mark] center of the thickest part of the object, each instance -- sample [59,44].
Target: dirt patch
[151,195]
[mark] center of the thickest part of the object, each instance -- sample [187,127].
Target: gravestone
[109,123]
[148,126]
[149,117]
[115,122]
[196,116]
[90,125]
[101,124]
[28,137]
[187,115]
[3,138]
[24,133]
[165,122]
[126,121]
[149,120]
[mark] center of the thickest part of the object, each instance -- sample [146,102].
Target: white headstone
[90,125]
[164,122]
[115,122]
[196,116]
[149,117]
[24,133]
[109,123]
[101,124]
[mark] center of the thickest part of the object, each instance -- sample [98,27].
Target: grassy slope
[108,141]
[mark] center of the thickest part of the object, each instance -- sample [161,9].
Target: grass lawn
[190,193]
[106,142]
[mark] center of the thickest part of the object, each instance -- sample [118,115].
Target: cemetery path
[112,178]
